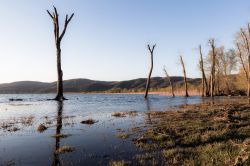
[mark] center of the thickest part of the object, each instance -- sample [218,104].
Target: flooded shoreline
[114,122]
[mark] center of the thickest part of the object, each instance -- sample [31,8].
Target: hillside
[87,86]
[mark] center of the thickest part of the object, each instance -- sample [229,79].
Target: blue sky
[107,39]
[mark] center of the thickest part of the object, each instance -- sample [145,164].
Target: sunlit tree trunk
[246,43]
[212,80]
[185,77]
[204,79]
[151,50]
[169,80]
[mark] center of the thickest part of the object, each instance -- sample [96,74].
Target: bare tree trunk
[212,83]
[241,61]
[169,80]
[204,79]
[246,42]
[218,83]
[58,39]
[151,50]
[185,78]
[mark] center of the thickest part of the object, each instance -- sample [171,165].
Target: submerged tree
[185,77]
[151,50]
[58,39]
[169,81]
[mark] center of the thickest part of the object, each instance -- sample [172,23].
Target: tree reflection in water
[56,158]
[148,109]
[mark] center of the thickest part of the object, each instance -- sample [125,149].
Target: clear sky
[106,40]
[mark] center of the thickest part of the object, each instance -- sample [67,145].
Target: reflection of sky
[106,40]
[92,143]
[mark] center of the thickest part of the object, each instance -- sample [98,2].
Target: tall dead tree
[204,79]
[58,38]
[185,77]
[169,81]
[151,50]
[246,44]
[212,75]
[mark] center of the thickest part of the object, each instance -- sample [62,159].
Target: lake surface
[97,144]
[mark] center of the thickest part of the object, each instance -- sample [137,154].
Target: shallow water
[95,144]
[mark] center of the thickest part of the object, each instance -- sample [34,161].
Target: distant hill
[88,86]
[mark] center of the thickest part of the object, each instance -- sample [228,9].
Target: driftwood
[185,77]
[58,39]
[169,80]
[151,50]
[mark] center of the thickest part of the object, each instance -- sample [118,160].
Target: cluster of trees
[217,66]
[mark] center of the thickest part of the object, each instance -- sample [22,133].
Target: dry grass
[15,124]
[89,121]
[123,135]
[61,135]
[65,149]
[119,163]
[41,128]
[119,114]
[124,114]
[207,134]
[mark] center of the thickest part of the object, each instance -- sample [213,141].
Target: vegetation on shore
[206,134]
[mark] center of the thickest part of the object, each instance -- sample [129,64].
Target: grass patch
[119,114]
[123,135]
[119,163]
[65,149]
[205,134]
[41,128]
[61,135]
[89,121]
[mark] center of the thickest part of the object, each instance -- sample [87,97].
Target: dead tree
[246,43]
[241,61]
[204,79]
[185,77]
[169,80]
[212,75]
[58,38]
[151,50]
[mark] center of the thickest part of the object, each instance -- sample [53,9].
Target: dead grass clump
[132,113]
[119,114]
[123,135]
[13,129]
[65,149]
[27,120]
[89,121]
[61,135]
[41,128]
[119,163]
[5,126]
